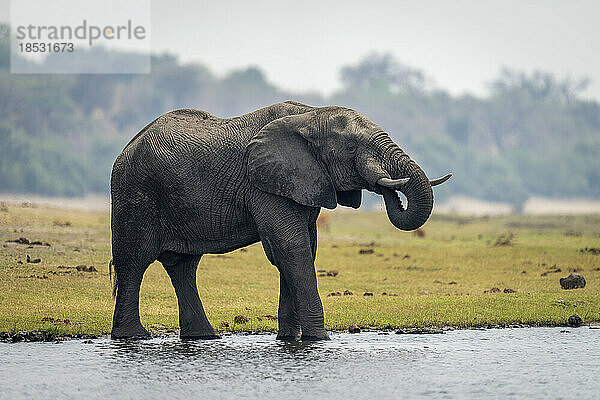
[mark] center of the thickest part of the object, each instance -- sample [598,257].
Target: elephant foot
[288,332]
[198,336]
[310,338]
[136,333]
[198,333]
[320,335]
[286,337]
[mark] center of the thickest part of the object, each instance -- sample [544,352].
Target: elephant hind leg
[126,318]
[135,245]
[193,323]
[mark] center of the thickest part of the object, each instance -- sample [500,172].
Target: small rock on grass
[573,281]
[267,317]
[592,250]
[24,240]
[368,294]
[240,319]
[505,240]
[323,272]
[354,329]
[20,240]
[33,260]
[348,293]
[85,268]
[554,270]
[575,321]
[492,290]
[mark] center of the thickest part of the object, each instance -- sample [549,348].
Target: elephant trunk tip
[408,218]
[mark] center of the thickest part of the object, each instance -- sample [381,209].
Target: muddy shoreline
[44,336]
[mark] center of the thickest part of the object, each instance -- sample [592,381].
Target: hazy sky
[461,45]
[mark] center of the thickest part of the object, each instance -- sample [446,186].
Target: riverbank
[52,335]
[460,271]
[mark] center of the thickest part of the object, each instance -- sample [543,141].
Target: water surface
[508,363]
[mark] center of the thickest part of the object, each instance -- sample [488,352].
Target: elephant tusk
[439,181]
[395,184]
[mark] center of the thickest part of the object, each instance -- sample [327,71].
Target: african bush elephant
[191,183]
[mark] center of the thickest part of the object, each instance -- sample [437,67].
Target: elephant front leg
[308,303]
[288,236]
[301,301]
[289,324]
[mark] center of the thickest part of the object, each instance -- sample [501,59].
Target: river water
[497,363]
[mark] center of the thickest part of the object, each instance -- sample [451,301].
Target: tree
[383,71]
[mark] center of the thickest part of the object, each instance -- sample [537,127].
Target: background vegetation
[532,135]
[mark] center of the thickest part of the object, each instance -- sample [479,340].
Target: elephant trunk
[418,193]
[389,174]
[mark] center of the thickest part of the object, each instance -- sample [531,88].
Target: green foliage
[486,171]
[575,169]
[533,135]
[382,73]
[31,165]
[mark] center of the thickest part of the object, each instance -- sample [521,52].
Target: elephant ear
[280,161]
[350,198]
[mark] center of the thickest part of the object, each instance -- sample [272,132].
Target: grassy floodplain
[444,278]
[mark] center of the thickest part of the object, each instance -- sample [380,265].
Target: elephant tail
[114,280]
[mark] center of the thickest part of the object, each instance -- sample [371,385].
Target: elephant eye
[352,148]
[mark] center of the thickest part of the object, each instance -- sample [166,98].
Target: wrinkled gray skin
[191,183]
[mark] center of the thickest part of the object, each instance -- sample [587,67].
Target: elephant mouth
[373,188]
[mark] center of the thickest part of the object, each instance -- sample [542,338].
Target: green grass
[416,273]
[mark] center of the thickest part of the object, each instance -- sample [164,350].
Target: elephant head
[325,156]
